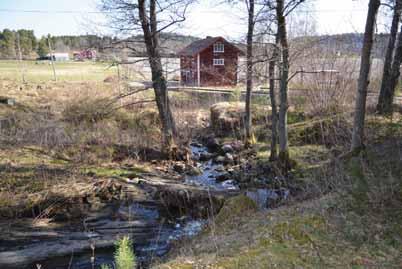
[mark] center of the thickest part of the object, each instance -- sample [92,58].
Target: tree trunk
[249,82]
[385,98]
[274,128]
[283,107]
[151,38]
[394,77]
[363,82]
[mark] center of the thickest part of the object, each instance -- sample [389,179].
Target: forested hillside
[33,47]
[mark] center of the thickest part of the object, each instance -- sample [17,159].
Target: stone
[272,198]
[196,144]
[220,168]
[179,167]
[212,143]
[234,208]
[206,156]
[229,159]
[222,177]
[237,146]
[230,185]
[193,171]
[220,159]
[227,118]
[227,148]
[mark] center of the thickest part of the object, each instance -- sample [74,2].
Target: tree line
[31,47]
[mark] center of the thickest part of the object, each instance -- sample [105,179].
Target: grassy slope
[358,224]
[41,71]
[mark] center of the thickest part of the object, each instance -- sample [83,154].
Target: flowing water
[210,171]
[151,230]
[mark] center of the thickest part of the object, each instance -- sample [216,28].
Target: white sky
[204,18]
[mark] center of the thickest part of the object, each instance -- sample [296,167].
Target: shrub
[124,255]
[86,111]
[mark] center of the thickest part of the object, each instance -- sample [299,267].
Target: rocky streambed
[154,210]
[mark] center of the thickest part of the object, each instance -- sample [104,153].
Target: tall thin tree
[272,95]
[387,105]
[283,85]
[363,81]
[283,9]
[249,79]
[385,98]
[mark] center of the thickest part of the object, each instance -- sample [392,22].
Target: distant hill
[345,44]
[107,47]
[171,43]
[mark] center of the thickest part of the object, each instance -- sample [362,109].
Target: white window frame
[219,62]
[219,47]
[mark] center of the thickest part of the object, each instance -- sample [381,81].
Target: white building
[59,56]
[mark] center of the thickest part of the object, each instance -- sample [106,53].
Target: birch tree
[363,81]
[249,79]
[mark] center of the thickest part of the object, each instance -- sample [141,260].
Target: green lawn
[40,71]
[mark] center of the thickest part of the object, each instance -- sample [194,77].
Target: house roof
[200,45]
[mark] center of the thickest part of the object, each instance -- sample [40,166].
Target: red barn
[212,61]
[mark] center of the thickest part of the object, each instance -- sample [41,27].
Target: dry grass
[41,71]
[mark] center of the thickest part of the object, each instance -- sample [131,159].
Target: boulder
[193,171]
[237,146]
[220,159]
[212,143]
[229,159]
[227,148]
[206,156]
[227,118]
[179,167]
[220,168]
[222,177]
[230,185]
[234,208]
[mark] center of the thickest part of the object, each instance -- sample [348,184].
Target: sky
[69,17]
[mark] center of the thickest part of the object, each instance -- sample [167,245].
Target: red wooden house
[212,61]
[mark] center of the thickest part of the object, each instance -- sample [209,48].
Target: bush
[124,255]
[86,111]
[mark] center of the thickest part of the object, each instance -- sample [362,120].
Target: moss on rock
[235,208]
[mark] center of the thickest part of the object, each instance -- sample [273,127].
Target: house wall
[188,70]
[225,75]
[139,67]
[211,75]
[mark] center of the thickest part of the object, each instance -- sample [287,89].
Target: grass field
[41,71]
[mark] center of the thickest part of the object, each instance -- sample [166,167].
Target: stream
[152,230]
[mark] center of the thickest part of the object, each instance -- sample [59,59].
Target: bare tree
[385,98]
[249,76]
[363,81]
[151,17]
[283,84]
[282,10]
[394,77]
[272,96]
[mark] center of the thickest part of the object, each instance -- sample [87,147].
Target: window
[219,61]
[219,47]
